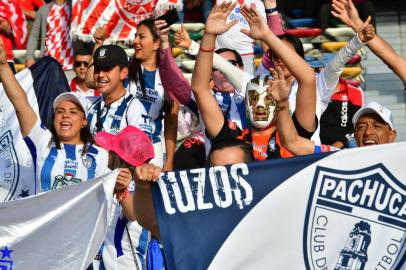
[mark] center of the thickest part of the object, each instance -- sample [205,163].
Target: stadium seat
[351,72]
[333,46]
[305,22]
[305,32]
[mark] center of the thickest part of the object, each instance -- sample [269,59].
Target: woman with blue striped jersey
[65,154]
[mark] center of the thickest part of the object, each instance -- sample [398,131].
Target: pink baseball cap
[131,144]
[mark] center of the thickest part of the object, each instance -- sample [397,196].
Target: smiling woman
[65,154]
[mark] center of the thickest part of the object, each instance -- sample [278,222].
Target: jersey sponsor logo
[150,95]
[9,167]
[65,180]
[217,187]
[6,262]
[355,220]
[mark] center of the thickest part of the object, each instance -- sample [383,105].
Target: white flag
[60,229]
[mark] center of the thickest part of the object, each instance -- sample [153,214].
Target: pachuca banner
[342,210]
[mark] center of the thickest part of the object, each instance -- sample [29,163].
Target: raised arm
[170,132]
[306,94]
[208,108]
[336,66]
[346,11]
[33,37]
[99,36]
[144,210]
[25,113]
[232,73]
[172,78]
[289,138]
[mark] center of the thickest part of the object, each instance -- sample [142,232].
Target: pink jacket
[172,79]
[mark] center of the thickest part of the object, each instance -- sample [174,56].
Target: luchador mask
[259,104]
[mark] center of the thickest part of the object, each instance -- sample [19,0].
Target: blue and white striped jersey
[56,168]
[117,252]
[151,110]
[114,117]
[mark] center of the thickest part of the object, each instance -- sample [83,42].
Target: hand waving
[100,35]
[367,31]
[279,87]
[346,12]
[258,26]
[216,23]
[182,38]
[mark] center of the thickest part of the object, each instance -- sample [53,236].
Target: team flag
[42,82]
[343,210]
[60,229]
[119,17]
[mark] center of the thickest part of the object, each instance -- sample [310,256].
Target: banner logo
[134,11]
[347,211]
[9,167]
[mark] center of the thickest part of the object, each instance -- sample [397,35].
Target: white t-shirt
[56,168]
[233,38]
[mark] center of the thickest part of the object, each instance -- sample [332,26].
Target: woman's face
[220,82]
[144,44]
[68,121]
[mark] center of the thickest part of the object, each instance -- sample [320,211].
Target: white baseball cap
[70,96]
[375,108]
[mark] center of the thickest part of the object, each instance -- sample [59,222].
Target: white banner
[60,229]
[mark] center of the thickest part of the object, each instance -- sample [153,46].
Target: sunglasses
[231,61]
[79,63]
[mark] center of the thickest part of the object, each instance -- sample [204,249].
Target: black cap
[109,56]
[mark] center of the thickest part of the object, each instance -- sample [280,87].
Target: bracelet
[120,196]
[280,108]
[271,10]
[206,50]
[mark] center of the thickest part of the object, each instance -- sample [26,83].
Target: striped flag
[120,17]
[42,82]
[10,10]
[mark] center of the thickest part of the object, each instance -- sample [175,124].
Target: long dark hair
[135,70]
[85,135]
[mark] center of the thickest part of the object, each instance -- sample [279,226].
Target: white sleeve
[133,114]
[331,73]
[232,73]
[39,136]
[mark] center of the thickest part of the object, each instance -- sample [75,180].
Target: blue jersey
[56,168]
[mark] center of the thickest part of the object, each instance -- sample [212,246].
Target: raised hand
[367,31]
[258,26]
[216,23]
[182,38]
[279,87]
[148,172]
[269,3]
[347,13]
[100,35]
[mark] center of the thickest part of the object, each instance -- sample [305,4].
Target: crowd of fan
[151,119]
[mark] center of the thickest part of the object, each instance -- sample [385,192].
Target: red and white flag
[11,11]
[119,17]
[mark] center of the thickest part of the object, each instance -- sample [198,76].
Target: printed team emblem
[87,162]
[337,233]
[9,167]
